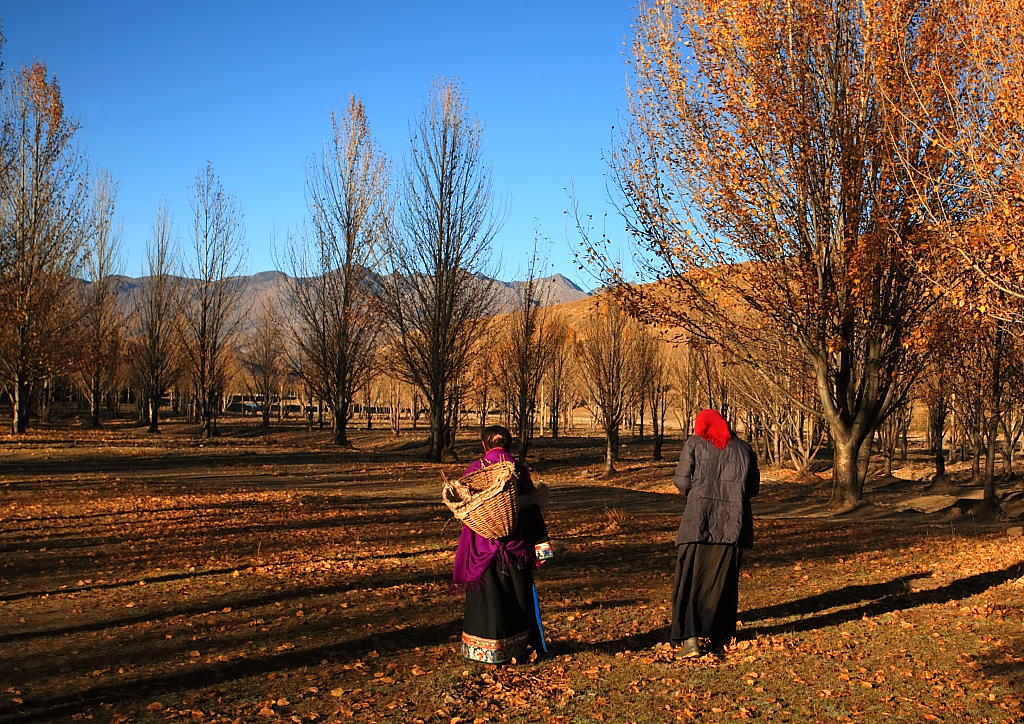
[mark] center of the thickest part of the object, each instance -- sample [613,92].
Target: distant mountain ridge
[272,286]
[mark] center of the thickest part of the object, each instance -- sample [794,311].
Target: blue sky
[160,88]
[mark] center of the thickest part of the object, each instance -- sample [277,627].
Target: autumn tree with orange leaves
[764,173]
[44,233]
[962,93]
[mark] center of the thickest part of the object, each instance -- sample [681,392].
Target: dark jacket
[718,486]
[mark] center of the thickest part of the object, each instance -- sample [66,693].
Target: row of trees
[59,259]
[379,264]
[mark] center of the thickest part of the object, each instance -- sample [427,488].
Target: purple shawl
[475,552]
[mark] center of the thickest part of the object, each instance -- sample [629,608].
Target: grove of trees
[824,198]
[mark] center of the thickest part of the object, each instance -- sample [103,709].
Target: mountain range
[272,286]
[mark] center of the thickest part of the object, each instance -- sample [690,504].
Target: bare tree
[558,379]
[263,357]
[610,353]
[212,302]
[44,230]
[153,354]
[655,376]
[685,371]
[336,330]
[434,296]
[528,344]
[102,325]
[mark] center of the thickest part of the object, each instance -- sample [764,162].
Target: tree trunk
[940,465]
[989,501]
[206,412]
[658,411]
[611,452]
[849,471]
[863,460]
[21,405]
[154,414]
[989,498]
[340,423]
[437,431]
[937,433]
[95,402]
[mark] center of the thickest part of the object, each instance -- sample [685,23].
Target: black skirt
[501,620]
[706,596]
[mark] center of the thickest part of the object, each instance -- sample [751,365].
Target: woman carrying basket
[502,620]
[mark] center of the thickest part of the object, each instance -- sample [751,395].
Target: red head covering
[712,427]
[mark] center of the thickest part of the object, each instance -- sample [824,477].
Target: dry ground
[272,578]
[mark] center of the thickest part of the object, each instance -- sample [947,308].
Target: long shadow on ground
[596,497]
[151,687]
[235,601]
[845,596]
[956,590]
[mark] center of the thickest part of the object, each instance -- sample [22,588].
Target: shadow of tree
[581,497]
[833,599]
[188,575]
[953,591]
[631,642]
[236,602]
[1007,662]
[203,675]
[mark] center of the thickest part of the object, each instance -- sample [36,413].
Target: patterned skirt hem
[495,651]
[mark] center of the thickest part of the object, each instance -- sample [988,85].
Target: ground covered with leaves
[273,578]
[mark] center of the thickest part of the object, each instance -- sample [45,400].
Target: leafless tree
[44,230]
[685,371]
[557,384]
[655,376]
[153,353]
[101,321]
[609,353]
[529,338]
[434,296]
[263,357]
[331,290]
[212,302]
[892,431]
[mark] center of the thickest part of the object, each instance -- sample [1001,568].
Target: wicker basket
[485,500]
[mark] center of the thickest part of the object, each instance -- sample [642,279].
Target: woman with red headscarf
[717,475]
